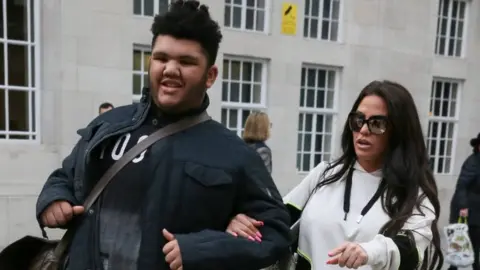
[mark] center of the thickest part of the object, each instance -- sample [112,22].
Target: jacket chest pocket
[209,190]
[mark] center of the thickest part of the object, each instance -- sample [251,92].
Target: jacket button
[90,212]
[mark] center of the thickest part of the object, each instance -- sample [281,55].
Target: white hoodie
[323,228]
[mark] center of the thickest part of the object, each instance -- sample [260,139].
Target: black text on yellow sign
[289,19]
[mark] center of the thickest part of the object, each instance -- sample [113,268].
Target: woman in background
[256,132]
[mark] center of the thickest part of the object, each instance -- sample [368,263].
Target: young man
[104,107]
[169,207]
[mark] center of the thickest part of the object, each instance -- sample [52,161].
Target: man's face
[102,110]
[179,74]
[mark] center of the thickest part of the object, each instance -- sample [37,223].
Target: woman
[256,132]
[376,207]
[466,201]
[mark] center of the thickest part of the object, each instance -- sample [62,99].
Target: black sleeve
[405,243]
[259,199]
[467,176]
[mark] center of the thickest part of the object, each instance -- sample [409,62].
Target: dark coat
[205,176]
[467,191]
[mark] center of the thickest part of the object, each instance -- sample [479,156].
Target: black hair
[189,20]
[475,143]
[105,105]
[406,170]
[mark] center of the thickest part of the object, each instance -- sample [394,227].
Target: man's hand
[59,213]
[172,251]
[350,255]
[464,212]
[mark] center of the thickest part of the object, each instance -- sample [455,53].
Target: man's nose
[171,68]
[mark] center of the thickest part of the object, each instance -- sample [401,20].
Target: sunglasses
[376,124]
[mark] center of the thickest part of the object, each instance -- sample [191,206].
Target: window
[150,7]
[19,70]
[450,27]
[246,14]
[243,90]
[442,124]
[141,59]
[315,120]
[321,19]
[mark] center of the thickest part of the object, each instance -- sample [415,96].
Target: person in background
[376,206]
[105,107]
[256,132]
[466,199]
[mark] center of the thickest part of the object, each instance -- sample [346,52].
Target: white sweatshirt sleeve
[383,253]
[298,196]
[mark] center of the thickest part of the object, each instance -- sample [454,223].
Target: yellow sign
[289,19]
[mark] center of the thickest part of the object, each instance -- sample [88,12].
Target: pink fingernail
[235,234]
[251,238]
[258,239]
[259,234]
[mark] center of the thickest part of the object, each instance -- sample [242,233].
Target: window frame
[33,88]
[143,49]
[444,119]
[448,39]
[242,106]
[156,8]
[243,20]
[332,112]
[320,19]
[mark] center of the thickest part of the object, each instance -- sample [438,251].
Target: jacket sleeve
[467,176]
[258,198]
[406,249]
[59,185]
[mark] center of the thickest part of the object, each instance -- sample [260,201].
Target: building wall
[86,58]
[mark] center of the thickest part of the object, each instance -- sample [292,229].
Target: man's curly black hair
[188,19]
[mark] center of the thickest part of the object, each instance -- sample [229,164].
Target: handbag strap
[166,131]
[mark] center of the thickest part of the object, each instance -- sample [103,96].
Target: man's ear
[211,76]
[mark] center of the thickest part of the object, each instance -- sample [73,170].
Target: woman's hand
[244,226]
[350,255]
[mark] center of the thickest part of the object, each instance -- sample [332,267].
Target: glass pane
[247,71]
[307,142]
[235,70]
[257,93]
[2,111]
[325,34]
[137,84]
[306,161]
[318,142]
[331,80]
[334,31]
[226,16]
[447,165]
[458,48]
[249,21]
[32,110]
[32,66]
[300,122]
[311,77]
[315,8]
[245,114]
[307,7]
[321,77]
[137,7]
[137,60]
[163,6]
[250,3]
[257,72]
[327,145]
[328,124]
[225,91]
[2,61]
[318,159]
[326,8]
[246,93]
[449,148]
[18,110]
[299,162]
[453,107]
[260,22]
[233,118]
[308,122]
[32,21]
[462,10]
[237,17]
[148,9]
[145,81]
[261,4]
[310,98]
[306,21]
[320,99]
[18,65]
[336,10]
[313,28]
[299,142]
[302,97]
[146,60]
[224,117]
[319,125]
[237,2]
[17,26]
[234,92]
[225,69]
